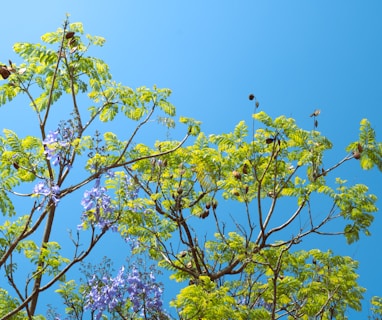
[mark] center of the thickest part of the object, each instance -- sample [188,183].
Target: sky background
[295,56]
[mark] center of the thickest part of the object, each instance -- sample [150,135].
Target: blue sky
[295,56]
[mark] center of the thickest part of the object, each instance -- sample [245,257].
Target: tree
[169,200]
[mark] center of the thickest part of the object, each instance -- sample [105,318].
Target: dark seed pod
[271,194]
[269,140]
[257,104]
[208,205]
[251,96]
[356,155]
[235,192]
[214,204]
[4,72]
[69,35]
[182,254]
[205,214]
[15,165]
[360,148]
[245,169]
[180,190]
[315,113]
[315,123]
[236,174]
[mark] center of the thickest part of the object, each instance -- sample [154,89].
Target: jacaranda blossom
[53,146]
[43,189]
[141,288]
[99,203]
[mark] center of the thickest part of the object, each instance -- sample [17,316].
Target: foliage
[376,307]
[170,201]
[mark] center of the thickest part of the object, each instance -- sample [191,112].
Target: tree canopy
[223,214]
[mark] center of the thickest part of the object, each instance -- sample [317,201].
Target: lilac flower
[97,199]
[53,145]
[107,293]
[133,243]
[110,174]
[144,295]
[43,189]
[52,137]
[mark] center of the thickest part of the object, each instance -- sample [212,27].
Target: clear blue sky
[295,56]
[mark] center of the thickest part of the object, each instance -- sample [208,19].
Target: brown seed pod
[205,214]
[182,254]
[356,155]
[360,148]
[235,192]
[271,194]
[4,72]
[269,140]
[257,104]
[69,35]
[245,169]
[315,113]
[208,205]
[236,174]
[15,165]
[180,190]
[214,204]
[251,96]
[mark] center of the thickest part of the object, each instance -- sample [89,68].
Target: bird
[315,113]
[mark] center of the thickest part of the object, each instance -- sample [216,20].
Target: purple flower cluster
[144,295]
[99,204]
[53,145]
[107,293]
[43,189]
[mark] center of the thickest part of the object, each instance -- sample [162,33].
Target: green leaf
[108,113]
